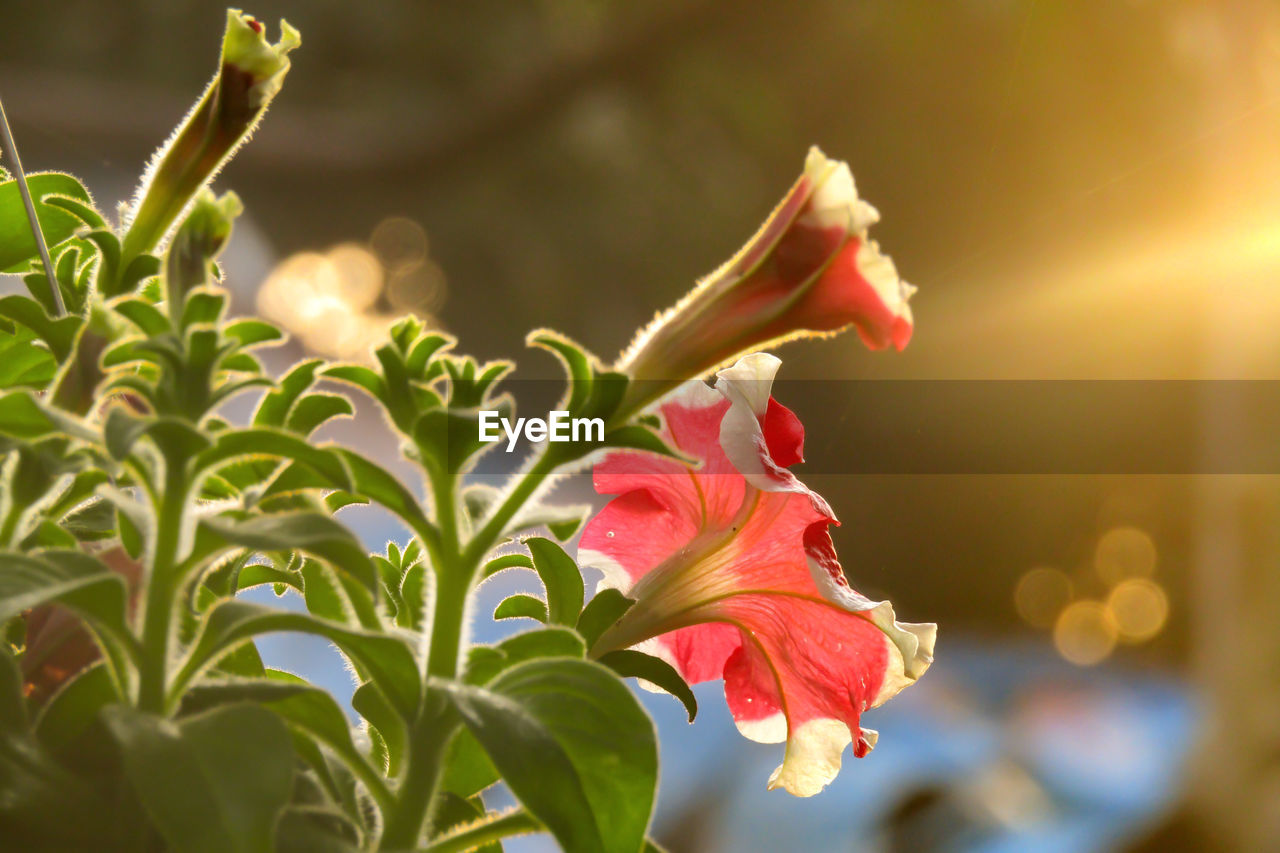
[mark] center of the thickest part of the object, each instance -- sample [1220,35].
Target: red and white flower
[810,270]
[735,576]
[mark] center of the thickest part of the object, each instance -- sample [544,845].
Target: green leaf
[602,611]
[421,353]
[577,365]
[416,589]
[73,578]
[243,362]
[385,723]
[504,562]
[311,411]
[575,747]
[71,711]
[274,406]
[253,333]
[213,783]
[269,442]
[146,316]
[485,662]
[453,812]
[203,305]
[302,705]
[312,532]
[561,577]
[632,664]
[22,416]
[24,362]
[379,485]
[140,268]
[17,243]
[467,767]
[40,794]
[388,661]
[257,574]
[84,212]
[59,334]
[315,830]
[521,606]
[359,376]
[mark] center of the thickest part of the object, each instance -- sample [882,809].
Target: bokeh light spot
[1040,595]
[1139,609]
[1124,552]
[359,274]
[1084,633]
[400,244]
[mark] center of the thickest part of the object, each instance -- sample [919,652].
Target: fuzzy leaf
[521,606]
[212,783]
[632,664]
[562,579]
[602,611]
[575,747]
[17,243]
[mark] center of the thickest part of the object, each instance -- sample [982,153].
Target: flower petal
[809,670]
[735,576]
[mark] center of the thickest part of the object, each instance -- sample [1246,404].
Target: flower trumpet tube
[810,270]
[252,71]
[734,576]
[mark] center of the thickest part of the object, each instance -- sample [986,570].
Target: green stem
[430,733]
[518,822]
[529,483]
[162,587]
[424,766]
[456,572]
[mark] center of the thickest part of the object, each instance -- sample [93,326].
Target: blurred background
[1084,190]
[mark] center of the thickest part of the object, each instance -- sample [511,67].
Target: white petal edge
[813,757]
[615,576]
[834,202]
[909,644]
[770,729]
[877,269]
[747,386]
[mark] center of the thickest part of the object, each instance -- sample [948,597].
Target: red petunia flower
[734,576]
[810,270]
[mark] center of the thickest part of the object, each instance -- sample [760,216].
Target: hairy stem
[517,498]
[455,578]
[162,582]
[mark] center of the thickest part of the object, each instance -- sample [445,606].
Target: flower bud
[197,242]
[810,271]
[251,73]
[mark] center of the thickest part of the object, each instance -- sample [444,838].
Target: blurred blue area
[1002,747]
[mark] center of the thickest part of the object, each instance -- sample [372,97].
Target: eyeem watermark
[557,426]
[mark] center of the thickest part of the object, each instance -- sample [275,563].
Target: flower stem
[162,581]
[456,572]
[518,497]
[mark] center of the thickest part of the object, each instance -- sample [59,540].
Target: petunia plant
[136,713]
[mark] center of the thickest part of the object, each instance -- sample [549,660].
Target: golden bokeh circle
[1041,594]
[1139,608]
[1085,633]
[1125,552]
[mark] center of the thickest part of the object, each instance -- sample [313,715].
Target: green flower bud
[199,240]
